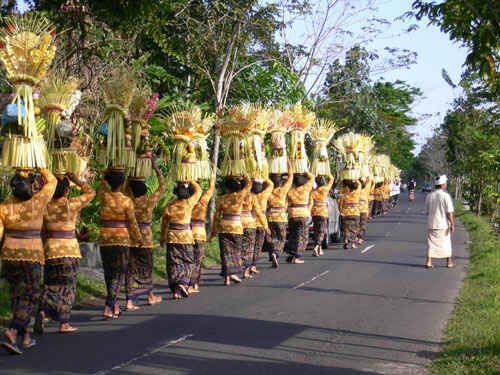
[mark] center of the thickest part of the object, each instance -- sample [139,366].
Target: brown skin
[451,219]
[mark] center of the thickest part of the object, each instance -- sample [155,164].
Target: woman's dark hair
[363,183]
[21,187]
[138,188]
[321,180]
[115,179]
[257,187]
[378,184]
[233,185]
[299,179]
[62,185]
[276,179]
[184,192]
[351,185]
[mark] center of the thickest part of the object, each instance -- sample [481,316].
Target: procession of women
[275,176]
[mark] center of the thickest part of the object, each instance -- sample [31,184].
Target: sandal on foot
[11,348]
[183,291]
[29,344]
[275,262]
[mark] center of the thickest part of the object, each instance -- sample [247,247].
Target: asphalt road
[373,310]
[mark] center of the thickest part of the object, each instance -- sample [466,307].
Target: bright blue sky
[435,52]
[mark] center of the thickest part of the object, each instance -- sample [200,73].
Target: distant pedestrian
[441,224]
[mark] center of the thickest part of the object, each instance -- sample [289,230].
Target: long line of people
[251,216]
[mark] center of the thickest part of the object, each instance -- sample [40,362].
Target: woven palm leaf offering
[364,154]
[235,128]
[116,149]
[181,126]
[257,161]
[142,107]
[26,52]
[321,132]
[279,124]
[58,98]
[202,131]
[348,145]
[380,163]
[301,120]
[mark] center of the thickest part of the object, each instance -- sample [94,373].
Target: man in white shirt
[441,224]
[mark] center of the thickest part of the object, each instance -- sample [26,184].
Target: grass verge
[473,332]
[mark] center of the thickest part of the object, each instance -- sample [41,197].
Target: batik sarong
[260,236]
[115,264]
[179,265]
[230,248]
[24,288]
[298,235]
[439,243]
[60,278]
[377,207]
[275,243]
[139,272]
[199,255]
[385,206]
[363,219]
[370,208]
[350,228]
[248,247]
[319,229]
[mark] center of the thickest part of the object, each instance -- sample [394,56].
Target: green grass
[472,344]
[89,288]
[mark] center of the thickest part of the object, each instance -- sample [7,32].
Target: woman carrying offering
[198,217]
[364,207]
[62,253]
[177,234]
[139,277]
[118,227]
[298,216]
[319,211]
[250,211]
[22,252]
[276,215]
[227,224]
[261,191]
[349,211]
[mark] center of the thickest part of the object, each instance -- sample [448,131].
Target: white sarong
[439,243]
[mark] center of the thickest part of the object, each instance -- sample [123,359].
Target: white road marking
[368,248]
[310,281]
[147,354]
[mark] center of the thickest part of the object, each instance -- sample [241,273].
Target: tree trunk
[480,200]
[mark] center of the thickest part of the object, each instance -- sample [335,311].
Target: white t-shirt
[438,204]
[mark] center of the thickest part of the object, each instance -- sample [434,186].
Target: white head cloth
[441,180]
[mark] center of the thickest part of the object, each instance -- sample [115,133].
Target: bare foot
[254,270]
[10,335]
[450,265]
[193,290]
[227,281]
[153,300]
[321,251]
[297,261]
[107,312]
[132,307]
[116,312]
[235,278]
[66,328]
